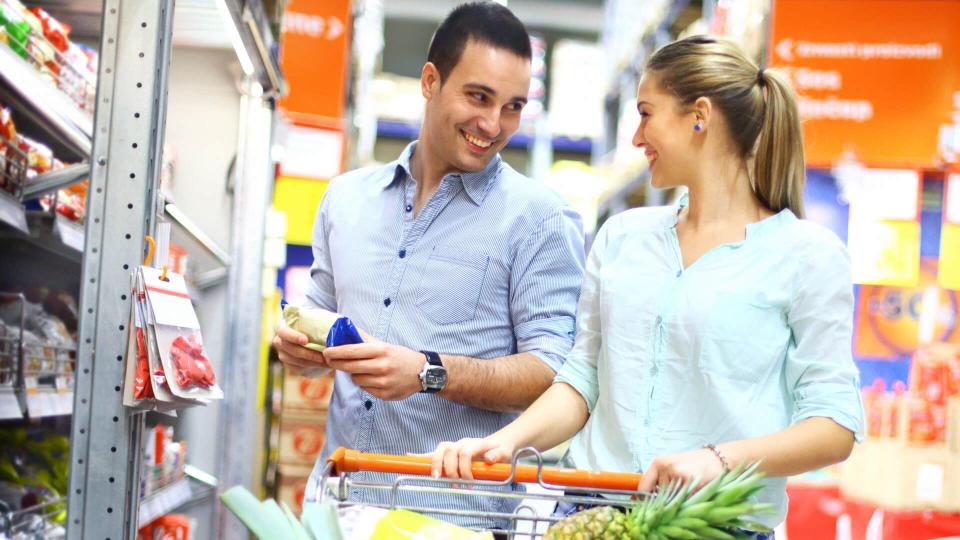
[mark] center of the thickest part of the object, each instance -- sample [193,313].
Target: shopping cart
[530,519]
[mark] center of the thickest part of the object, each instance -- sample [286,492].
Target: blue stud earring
[698,126]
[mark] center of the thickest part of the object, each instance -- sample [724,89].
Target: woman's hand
[455,459]
[700,465]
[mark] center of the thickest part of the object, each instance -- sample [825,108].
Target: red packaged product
[193,368]
[170,527]
[55,31]
[921,424]
[142,388]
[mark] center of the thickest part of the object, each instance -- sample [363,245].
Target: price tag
[9,406]
[64,394]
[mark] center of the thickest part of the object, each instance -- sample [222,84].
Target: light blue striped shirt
[751,338]
[491,266]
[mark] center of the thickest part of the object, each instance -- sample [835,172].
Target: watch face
[435,377]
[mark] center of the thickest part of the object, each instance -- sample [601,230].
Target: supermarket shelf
[54,180]
[251,24]
[410,131]
[23,89]
[197,486]
[191,228]
[52,234]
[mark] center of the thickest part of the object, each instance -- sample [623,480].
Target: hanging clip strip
[153,247]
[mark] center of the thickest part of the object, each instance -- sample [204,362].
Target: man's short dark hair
[485,22]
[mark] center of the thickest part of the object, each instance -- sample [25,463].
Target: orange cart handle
[346,461]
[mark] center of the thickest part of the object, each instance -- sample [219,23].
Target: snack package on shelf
[49,355]
[34,474]
[44,43]
[165,345]
[168,527]
[164,460]
[306,393]
[301,438]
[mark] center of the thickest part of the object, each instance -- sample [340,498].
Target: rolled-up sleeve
[820,372]
[545,285]
[580,369]
[321,291]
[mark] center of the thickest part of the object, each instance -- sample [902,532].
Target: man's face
[472,115]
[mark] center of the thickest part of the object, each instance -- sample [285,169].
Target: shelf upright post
[238,413]
[122,205]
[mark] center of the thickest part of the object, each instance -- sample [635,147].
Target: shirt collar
[754,230]
[476,184]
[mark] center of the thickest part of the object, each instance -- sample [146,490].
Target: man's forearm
[507,384]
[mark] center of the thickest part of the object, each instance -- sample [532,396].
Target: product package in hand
[167,368]
[323,328]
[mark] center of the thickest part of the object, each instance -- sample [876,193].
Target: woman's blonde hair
[763,125]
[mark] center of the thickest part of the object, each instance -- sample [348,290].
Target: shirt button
[679,273]
[368,404]
[387,302]
[409,208]
[654,370]
[403,253]
[659,319]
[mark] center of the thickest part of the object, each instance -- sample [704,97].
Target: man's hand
[290,348]
[387,371]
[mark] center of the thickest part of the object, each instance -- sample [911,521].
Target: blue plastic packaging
[343,332]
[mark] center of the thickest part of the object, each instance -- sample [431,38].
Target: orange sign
[878,79]
[315,47]
[892,322]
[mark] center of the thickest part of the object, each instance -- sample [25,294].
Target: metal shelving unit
[121,209]
[195,487]
[119,149]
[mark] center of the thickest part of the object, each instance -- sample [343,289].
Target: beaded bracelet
[723,460]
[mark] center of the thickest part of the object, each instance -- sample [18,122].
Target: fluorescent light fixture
[242,55]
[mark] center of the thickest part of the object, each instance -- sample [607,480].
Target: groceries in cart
[723,508]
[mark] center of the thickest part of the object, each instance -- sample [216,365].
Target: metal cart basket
[547,486]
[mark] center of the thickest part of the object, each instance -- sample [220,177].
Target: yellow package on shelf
[404,524]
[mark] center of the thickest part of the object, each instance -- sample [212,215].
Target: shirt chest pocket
[744,339]
[450,286]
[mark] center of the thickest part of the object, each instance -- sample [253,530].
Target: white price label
[929,482]
[9,406]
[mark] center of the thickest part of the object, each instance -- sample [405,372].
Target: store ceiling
[582,16]
[198,23]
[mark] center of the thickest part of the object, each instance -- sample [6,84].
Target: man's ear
[430,80]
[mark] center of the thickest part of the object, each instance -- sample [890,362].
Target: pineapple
[717,511]
[599,522]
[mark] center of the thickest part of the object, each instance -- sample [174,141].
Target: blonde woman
[712,333]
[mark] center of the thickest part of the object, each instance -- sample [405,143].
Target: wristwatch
[434,376]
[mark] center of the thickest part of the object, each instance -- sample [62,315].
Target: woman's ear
[703,110]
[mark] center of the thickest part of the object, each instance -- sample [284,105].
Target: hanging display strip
[131,97]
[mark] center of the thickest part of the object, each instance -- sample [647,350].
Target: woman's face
[666,134]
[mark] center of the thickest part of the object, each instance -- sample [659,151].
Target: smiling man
[465,273]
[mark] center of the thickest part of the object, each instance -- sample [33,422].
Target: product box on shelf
[901,476]
[307,393]
[292,486]
[301,438]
